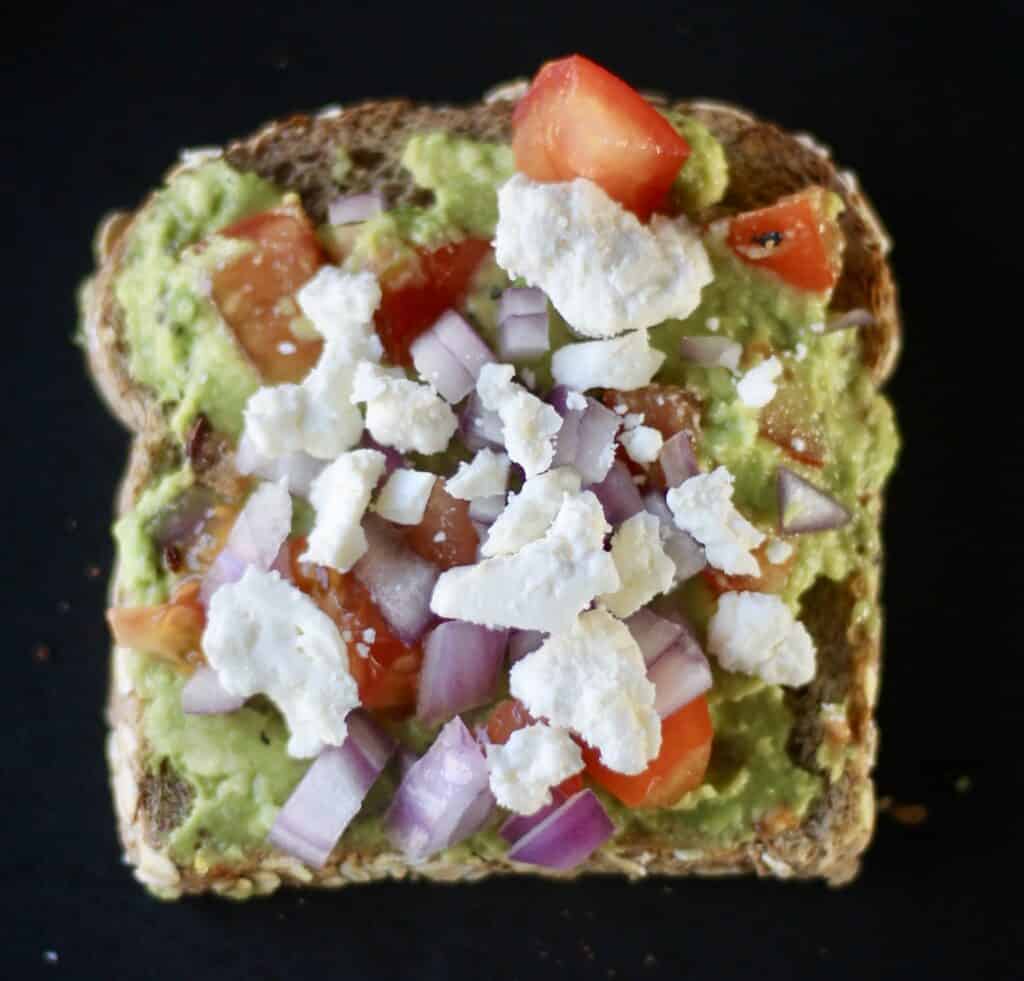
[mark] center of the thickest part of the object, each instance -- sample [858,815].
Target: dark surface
[98,101]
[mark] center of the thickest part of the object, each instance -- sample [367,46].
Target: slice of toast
[297,154]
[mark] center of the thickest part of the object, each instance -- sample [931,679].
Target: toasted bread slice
[296,153]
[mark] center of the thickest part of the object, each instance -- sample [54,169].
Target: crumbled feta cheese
[644,568]
[529,513]
[818,327]
[528,425]
[590,677]
[340,496]
[622,363]
[545,584]
[405,414]
[755,633]
[642,443]
[778,551]
[286,347]
[712,324]
[632,419]
[798,443]
[403,498]
[440,536]
[757,387]
[801,351]
[533,760]
[264,636]
[604,271]
[485,476]
[576,401]
[702,506]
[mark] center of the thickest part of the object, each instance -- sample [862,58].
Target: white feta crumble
[545,584]
[604,271]
[403,498]
[702,506]
[576,401]
[286,347]
[644,568]
[529,514]
[484,476]
[800,352]
[405,414]
[439,537]
[712,323]
[622,363]
[340,496]
[818,327]
[528,425]
[798,443]
[533,760]
[757,387]
[778,551]
[755,633]
[590,677]
[264,636]
[642,443]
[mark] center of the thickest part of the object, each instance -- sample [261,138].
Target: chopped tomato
[787,422]
[385,669]
[507,716]
[686,738]
[446,535]
[580,120]
[190,546]
[794,238]
[413,305]
[772,579]
[255,292]
[171,630]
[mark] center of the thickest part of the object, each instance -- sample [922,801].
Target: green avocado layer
[237,764]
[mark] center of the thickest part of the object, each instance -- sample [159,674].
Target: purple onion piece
[618,494]
[710,351]
[858,317]
[567,438]
[595,448]
[518,824]
[184,517]
[524,337]
[354,208]
[567,836]
[439,366]
[480,427]
[467,346]
[679,675]
[652,633]
[519,301]
[523,642]
[393,460]
[203,694]
[677,459]
[805,508]
[680,546]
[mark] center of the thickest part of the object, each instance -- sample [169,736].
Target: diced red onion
[282,564]
[652,633]
[476,815]
[679,675]
[461,665]
[299,470]
[486,509]
[469,348]
[595,447]
[680,546]
[480,427]
[399,581]
[567,438]
[520,301]
[804,508]
[567,836]
[518,825]
[523,642]
[711,351]
[677,459]
[185,516]
[407,759]
[331,793]
[618,494]
[203,694]
[437,365]
[524,337]
[354,208]
[393,460]
[852,318]
[440,794]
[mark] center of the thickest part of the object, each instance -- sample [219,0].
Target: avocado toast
[785,785]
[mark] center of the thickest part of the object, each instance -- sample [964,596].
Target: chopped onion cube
[203,694]
[679,675]
[523,642]
[804,508]
[653,634]
[567,836]
[677,459]
[524,337]
[520,301]
[618,494]
[480,427]
[461,666]
[712,351]
[354,208]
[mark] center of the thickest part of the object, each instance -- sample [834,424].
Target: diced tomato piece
[171,630]
[794,238]
[686,738]
[385,669]
[580,120]
[787,422]
[415,302]
[255,293]
[772,579]
[446,535]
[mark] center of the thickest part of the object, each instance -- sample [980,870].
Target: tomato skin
[254,293]
[686,738]
[793,238]
[414,303]
[580,120]
[448,517]
[772,579]
[171,630]
[787,419]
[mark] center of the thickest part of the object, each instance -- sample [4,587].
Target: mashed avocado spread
[236,764]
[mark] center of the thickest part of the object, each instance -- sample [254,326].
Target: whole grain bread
[297,153]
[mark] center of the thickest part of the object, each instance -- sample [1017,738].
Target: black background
[98,100]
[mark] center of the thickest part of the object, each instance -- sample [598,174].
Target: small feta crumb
[404,496]
[798,443]
[644,568]
[485,476]
[778,551]
[757,387]
[528,425]
[818,327]
[632,419]
[577,401]
[286,347]
[440,537]
[755,633]
[621,409]
[702,506]
[529,514]
[590,677]
[622,363]
[643,444]
[801,351]
[362,650]
[712,323]
[340,496]
[532,761]
[369,635]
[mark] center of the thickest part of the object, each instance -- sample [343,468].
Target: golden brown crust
[298,153]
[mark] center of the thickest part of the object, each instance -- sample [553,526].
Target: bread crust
[296,153]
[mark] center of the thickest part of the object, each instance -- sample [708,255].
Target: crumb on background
[42,653]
